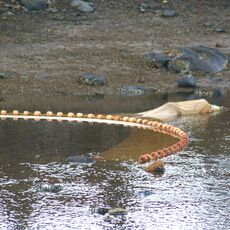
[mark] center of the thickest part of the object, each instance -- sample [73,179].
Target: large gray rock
[82,6]
[34,4]
[195,60]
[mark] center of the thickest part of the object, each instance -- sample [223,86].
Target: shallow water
[193,193]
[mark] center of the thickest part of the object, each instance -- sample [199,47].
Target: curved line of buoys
[114,119]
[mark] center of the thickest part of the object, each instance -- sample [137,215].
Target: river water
[41,188]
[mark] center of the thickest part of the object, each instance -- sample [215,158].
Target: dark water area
[41,188]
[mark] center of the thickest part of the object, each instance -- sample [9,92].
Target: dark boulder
[187,81]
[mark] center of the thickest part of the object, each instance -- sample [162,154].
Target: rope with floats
[113,119]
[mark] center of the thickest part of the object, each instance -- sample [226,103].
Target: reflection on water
[193,193]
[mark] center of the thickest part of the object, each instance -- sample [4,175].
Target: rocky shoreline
[55,47]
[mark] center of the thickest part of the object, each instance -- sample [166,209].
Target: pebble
[53,10]
[143,7]
[169,13]
[82,6]
[220,30]
[2,75]
[92,79]
[207,24]
[150,6]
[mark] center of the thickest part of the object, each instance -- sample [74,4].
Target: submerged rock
[117,211]
[52,188]
[187,81]
[80,159]
[136,90]
[82,6]
[92,79]
[34,4]
[146,193]
[156,167]
[100,210]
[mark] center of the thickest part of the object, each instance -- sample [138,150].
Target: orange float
[138,122]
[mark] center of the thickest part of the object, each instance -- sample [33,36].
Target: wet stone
[52,188]
[145,193]
[35,5]
[187,81]
[92,79]
[156,167]
[136,90]
[117,211]
[82,6]
[100,210]
[169,13]
[157,60]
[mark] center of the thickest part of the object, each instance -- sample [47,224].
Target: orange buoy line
[113,119]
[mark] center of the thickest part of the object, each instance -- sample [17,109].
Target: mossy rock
[92,79]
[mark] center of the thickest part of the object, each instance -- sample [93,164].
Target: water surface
[193,193]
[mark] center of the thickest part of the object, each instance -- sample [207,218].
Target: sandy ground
[45,53]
